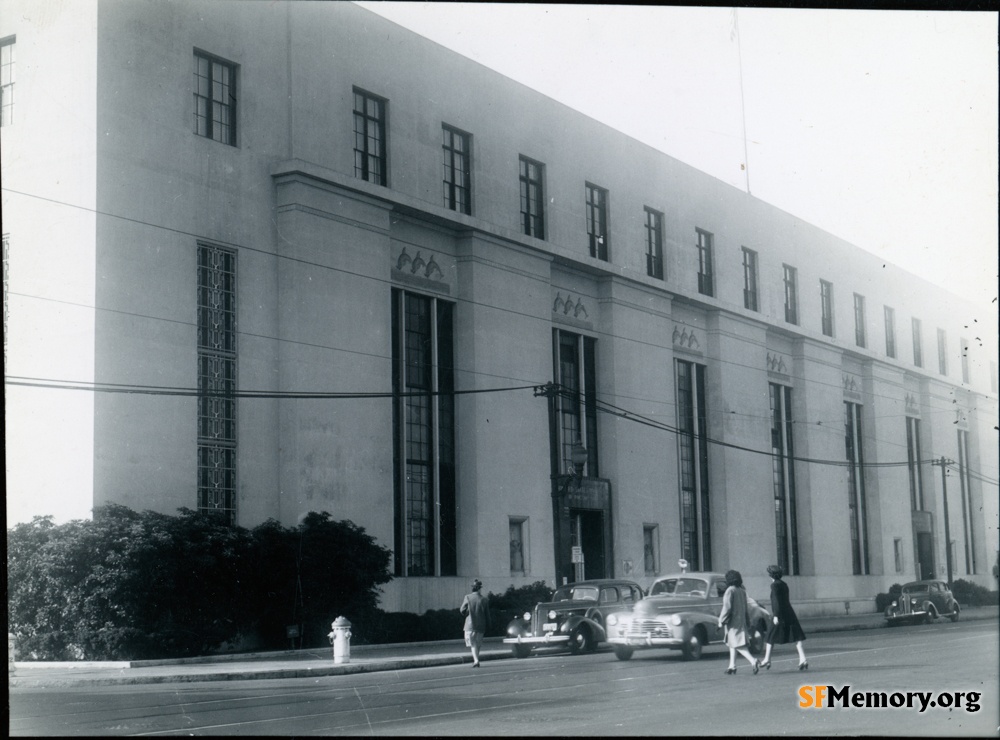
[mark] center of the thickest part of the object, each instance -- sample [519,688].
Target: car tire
[955,611]
[929,614]
[693,645]
[623,652]
[520,651]
[580,639]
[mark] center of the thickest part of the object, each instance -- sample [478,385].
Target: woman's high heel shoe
[730,671]
[766,665]
[803,665]
[756,667]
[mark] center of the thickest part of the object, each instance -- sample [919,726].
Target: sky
[877,126]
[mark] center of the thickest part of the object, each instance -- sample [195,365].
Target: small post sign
[577,556]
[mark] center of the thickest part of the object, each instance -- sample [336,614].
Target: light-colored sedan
[681,612]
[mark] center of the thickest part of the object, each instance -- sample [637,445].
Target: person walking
[476,609]
[785,625]
[733,618]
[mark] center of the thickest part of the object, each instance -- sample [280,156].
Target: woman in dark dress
[785,625]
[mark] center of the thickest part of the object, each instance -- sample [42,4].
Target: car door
[716,591]
[938,598]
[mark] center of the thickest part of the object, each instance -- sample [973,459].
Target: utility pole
[944,462]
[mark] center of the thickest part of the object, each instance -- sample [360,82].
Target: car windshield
[915,588]
[689,587]
[576,593]
[666,586]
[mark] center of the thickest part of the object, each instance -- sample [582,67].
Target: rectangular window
[965,359]
[968,510]
[856,504]
[913,463]
[517,546]
[860,338]
[654,243]
[750,279]
[651,549]
[217,381]
[423,386]
[897,548]
[695,514]
[890,332]
[918,350]
[369,137]
[575,368]
[826,306]
[791,295]
[706,277]
[7,81]
[783,479]
[457,179]
[942,351]
[214,98]
[597,221]
[532,200]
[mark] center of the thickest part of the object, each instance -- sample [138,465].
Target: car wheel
[954,612]
[929,614]
[520,651]
[692,646]
[623,652]
[580,639]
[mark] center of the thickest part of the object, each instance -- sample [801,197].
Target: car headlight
[894,604]
[527,616]
[553,614]
[612,620]
[675,619]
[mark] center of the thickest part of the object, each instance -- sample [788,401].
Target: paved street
[656,693]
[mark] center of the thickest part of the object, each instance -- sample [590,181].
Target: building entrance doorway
[925,556]
[588,535]
[582,517]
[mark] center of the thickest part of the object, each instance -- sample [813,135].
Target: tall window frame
[651,549]
[783,478]
[425,481]
[217,438]
[790,276]
[517,527]
[826,307]
[750,298]
[913,463]
[942,343]
[370,137]
[968,510]
[890,331]
[8,59]
[215,98]
[857,498]
[531,177]
[692,441]
[456,152]
[654,243]
[597,221]
[575,371]
[860,333]
[706,259]
[918,343]
[963,345]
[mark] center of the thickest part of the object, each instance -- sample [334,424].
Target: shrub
[515,602]
[883,600]
[972,594]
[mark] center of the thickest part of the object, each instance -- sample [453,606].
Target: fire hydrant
[340,638]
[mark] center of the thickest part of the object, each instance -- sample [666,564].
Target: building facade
[290,257]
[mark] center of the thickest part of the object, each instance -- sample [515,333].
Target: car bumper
[918,614]
[531,640]
[647,641]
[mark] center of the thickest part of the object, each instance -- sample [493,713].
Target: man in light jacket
[476,609]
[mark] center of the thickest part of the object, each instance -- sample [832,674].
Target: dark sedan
[923,601]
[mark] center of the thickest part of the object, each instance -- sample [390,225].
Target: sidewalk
[316,663]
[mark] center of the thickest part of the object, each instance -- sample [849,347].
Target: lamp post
[578,458]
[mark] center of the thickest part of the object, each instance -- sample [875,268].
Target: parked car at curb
[573,618]
[681,612]
[923,601]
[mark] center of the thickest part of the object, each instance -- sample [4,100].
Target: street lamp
[578,456]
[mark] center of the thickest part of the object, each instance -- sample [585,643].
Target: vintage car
[681,612]
[574,618]
[923,601]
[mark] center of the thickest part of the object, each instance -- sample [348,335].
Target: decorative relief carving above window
[776,364]
[912,406]
[568,307]
[852,388]
[686,339]
[419,270]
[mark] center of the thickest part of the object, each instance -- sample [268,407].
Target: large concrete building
[292,257]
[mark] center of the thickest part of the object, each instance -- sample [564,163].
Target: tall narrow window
[783,478]
[517,549]
[791,295]
[968,510]
[964,346]
[913,463]
[826,307]
[214,98]
[369,137]
[942,351]
[860,337]
[650,549]
[918,349]
[654,243]
[532,201]
[597,221]
[750,279]
[576,403]
[856,504]
[457,178]
[424,436]
[695,514]
[217,381]
[890,332]
[7,81]
[706,277]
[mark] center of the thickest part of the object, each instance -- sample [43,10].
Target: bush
[513,603]
[883,600]
[972,594]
